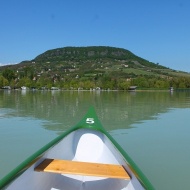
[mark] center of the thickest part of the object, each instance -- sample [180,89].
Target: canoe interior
[83,145]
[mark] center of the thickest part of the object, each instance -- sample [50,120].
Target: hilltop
[88,67]
[95,54]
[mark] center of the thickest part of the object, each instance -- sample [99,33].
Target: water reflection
[158,146]
[116,110]
[157,141]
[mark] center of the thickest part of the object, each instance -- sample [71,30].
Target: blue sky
[156,30]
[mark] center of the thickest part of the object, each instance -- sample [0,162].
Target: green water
[153,127]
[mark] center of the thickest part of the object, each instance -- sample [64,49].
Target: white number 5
[90,120]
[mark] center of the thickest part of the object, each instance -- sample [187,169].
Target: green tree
[12,83]
[123,84]
[3,81]
[182,85]
[74,84]
[8,74]
[25,82]
[159,84]
[89,84]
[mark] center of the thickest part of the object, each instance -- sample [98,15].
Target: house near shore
[24,88]
[6,87]
[132,88]
[54,88]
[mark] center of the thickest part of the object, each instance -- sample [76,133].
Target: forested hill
[94,53]
[89,68]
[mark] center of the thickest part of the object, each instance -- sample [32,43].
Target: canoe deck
[82,168]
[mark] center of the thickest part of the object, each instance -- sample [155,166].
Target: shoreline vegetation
[89,68]
[24,89]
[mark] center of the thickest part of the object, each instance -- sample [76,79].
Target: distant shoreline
[101,90]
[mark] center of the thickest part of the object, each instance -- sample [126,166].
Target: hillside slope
[88,67]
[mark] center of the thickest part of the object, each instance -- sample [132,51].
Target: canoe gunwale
[81,125]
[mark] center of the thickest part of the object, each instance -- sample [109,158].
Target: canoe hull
[84,143]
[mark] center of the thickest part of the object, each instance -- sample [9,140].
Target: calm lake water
[152,127]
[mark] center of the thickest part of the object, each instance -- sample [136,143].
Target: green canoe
[84,157]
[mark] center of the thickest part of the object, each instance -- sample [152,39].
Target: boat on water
[85,157]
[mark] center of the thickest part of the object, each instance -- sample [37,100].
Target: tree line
[9,78]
